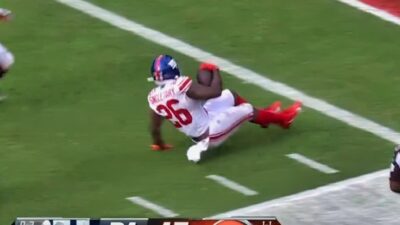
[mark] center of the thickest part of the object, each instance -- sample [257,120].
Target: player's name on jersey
[146,221]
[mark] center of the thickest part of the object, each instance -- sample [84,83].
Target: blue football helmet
[164,68]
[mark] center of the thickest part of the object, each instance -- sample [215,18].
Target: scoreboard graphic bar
[148,221]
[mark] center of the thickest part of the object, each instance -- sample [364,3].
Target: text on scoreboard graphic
[146,221]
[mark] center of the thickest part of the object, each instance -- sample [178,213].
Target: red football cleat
[289,115]
[274,107]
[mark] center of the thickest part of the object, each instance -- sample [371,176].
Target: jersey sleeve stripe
[183,80]
[185,84]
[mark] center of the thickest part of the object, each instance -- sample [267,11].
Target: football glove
[162,147]
[208,66]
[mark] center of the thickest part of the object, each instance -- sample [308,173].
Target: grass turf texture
[74,139]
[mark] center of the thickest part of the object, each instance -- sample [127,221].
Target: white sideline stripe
[311,163]
[372,10]
[152,206]
[235,70]
[303,195]
[232,185]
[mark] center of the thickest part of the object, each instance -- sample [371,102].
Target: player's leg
[225,123]
[228,122]
[221,127]
[272,114]
[394,180]
[262,116]
[265,117]
[230,98]
[219,104]
[275,106]
[268,115]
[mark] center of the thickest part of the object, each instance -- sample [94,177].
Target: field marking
[372,10]
[232,185]
[3,97]
[240,72]
[160,210]
[312,163]
[264,206]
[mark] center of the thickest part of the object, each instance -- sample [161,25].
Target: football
[204,77]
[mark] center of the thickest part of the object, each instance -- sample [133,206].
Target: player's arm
[155,130]
[201,92]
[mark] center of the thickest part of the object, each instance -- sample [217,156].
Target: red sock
[264,117]
[239,100]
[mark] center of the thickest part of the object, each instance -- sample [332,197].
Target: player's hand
[160,147]
[208,66]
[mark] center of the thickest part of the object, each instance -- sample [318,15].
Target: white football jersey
[171,102]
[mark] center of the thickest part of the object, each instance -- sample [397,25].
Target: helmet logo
[172,64]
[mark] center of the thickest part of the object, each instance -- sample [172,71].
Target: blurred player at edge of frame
[206,114]
[6,57]
[394,179]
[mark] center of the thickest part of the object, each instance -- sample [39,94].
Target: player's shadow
[249,139]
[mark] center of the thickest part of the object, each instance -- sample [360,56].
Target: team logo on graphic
[232,222]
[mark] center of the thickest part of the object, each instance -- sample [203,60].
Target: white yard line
[232,185]
[372,10]
[312,163]
[233,69]
[160,210]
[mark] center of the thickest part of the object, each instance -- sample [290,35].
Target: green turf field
[74,136]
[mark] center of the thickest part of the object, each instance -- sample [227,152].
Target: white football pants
[225,117]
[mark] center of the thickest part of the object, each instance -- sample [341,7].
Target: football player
[394,179]
[5,14]
[6,57]
[206,114]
